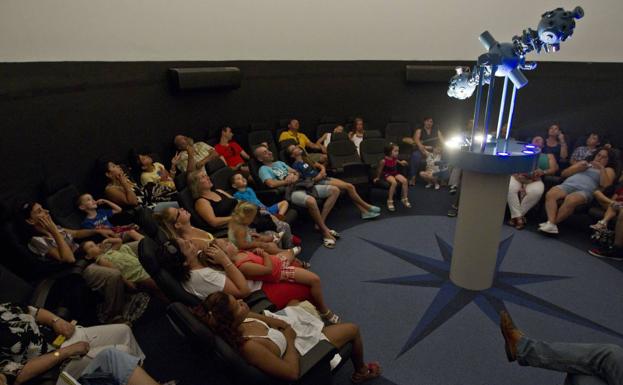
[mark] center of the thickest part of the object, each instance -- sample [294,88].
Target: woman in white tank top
[272,344]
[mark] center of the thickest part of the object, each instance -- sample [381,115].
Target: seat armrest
[321,354]
[259,301]
[42,291]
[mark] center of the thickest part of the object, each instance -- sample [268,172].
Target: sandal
[304,264]
[374,371]
[390,205]
[330,317]
[296,250]
[406,203]
[334,233]
[599,226]
[328,243]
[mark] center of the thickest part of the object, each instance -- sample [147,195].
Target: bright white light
[478,138]
[454,142]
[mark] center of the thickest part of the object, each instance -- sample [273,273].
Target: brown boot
[511,335]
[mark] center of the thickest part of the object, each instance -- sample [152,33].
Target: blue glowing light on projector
[529,152]
[503,154]
[530,146]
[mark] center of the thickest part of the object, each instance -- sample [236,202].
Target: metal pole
[511,111]
[481,71]
[488,109]
[502,106]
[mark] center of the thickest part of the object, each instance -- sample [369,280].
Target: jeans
[585,363]
[415,163]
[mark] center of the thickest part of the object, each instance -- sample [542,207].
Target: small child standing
[241,235]
[259,265]
[97,218]
[388,170]
[431,174]
[112,253]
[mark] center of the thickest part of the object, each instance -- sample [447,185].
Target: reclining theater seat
[314,366]
[173,289]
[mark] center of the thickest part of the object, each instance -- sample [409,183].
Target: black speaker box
[429,73]
[204,78]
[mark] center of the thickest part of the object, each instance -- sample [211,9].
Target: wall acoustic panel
[205,78]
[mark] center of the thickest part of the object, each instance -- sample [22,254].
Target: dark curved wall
[58,117]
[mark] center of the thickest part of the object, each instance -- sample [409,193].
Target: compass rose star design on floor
[450,299]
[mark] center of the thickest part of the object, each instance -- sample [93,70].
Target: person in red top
[234,155]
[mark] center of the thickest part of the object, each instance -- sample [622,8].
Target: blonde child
[388,170]
[244,238]
[432,168]
[96,217]
[259,265]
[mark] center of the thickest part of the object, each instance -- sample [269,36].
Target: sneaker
[428,185]
[453,189]
[549,228]
[452,213]
[437,186]
[614,254]
[369,215]
[375,209]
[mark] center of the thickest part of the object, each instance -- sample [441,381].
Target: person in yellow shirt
[292,133]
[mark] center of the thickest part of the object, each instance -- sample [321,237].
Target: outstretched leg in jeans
[601,360]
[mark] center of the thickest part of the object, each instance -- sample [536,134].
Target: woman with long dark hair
[268,343]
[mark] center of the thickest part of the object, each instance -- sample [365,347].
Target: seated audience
[432,173]
[123,191]
[556,144]
[260,265]
[111,253]
[206,269]
[583,152]
[526,189]
[235,157]
[54,242]
[26,354]
[583,178]
[97,218]
[325,139]
[155,172]
[292,133]
[357,133]
[424,139]
[213,206]
[202,154]
[274,344]
[583,363]
[244,238]
[308,170]
[388,170]
[277,174]
[245,193]
[275,212]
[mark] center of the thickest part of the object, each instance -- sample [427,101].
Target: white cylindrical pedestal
[478,229]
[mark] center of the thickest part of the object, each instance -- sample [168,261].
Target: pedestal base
[478,229]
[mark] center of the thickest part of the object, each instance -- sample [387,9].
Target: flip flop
[374,371]
[334,233]
[328,243]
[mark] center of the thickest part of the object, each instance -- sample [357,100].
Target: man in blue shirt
[277,174]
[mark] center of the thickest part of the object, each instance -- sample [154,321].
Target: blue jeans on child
[585,363]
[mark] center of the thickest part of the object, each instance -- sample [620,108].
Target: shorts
[569,189]
[273,210]
[300,196]
[115,362]
[287,271]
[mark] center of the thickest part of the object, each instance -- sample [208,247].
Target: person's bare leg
[405,185]
[330,202]
[140,377]
[312,280]
[571,201]
[340,335]
[135,235]
[551,203]
[392,187]
[609,214]
[283,207]
[352,193]
[314,212]
[602,199]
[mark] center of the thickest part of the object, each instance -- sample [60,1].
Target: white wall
[134,30]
